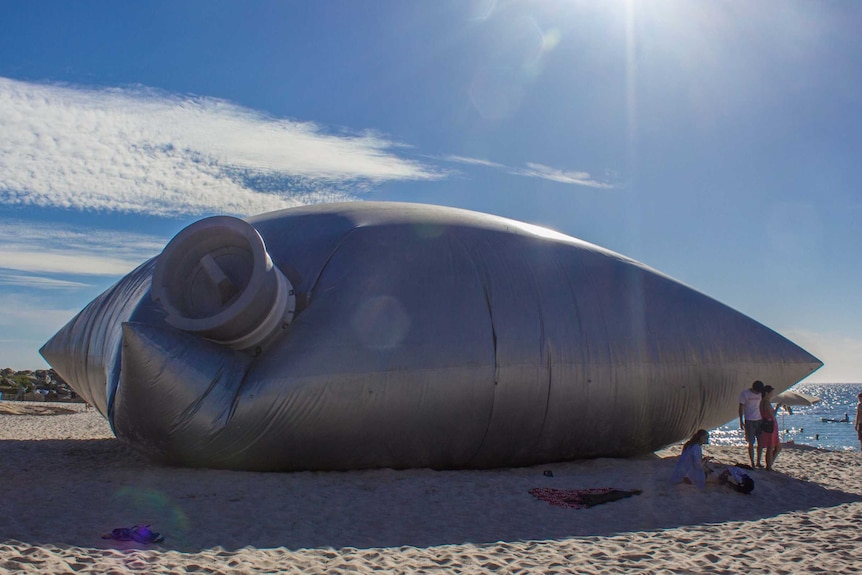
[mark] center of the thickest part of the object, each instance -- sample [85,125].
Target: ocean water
[806,426]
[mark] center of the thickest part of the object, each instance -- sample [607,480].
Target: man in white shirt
[749,409]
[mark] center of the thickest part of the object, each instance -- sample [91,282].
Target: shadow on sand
[78,490]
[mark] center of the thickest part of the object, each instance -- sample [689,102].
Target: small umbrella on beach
[795,398]
[789,398]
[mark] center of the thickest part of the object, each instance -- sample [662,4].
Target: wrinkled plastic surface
[425,336]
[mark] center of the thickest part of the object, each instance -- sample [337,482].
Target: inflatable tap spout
[215,279]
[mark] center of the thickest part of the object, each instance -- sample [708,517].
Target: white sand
[66,481]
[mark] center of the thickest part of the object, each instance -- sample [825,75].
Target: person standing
[858,423]
[749,418]
[768,438]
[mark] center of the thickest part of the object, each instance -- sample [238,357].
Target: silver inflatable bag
[371,334]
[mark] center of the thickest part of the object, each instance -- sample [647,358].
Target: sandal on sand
[139,533]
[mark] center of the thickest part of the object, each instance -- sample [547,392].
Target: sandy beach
[67,482]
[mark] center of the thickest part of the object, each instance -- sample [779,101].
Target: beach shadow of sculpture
[92,486]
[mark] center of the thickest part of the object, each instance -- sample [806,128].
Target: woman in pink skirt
[769,439]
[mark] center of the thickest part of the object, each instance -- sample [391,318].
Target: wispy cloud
[533,170]
[27,281]
[475,162]
[42,250]
[143,151]
[561,176]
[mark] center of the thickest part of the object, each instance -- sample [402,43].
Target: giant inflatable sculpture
[361,335]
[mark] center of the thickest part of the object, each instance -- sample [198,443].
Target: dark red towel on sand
[581,498]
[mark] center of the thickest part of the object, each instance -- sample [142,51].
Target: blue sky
[717,142]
